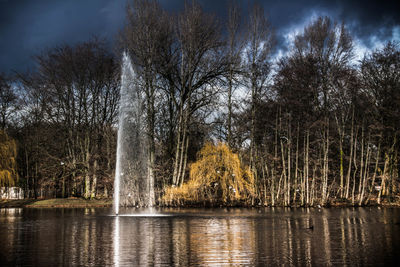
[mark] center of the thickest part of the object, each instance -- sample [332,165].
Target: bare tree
[144,36]
[192,65]
[234,46]
[258,48]
[76,89]
[380,72]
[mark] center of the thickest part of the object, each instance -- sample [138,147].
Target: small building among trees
[11,193]
[8,168]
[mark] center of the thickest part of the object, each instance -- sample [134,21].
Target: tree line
[314,125]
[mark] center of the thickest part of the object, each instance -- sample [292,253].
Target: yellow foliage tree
[8,164]
[216,177]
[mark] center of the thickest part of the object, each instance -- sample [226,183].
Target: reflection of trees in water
[343,237]
[186,241]
[357,236]
[222,241]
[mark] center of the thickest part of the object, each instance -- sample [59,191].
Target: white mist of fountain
[131,187]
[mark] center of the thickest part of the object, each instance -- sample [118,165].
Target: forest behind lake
[227,121]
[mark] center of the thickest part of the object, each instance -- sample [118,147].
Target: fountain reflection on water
[116,241]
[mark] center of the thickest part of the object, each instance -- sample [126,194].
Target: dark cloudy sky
[29,26]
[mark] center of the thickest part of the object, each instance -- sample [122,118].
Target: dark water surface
[206,237]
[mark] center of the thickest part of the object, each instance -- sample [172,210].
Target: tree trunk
[325,166]
[273,171]
[289,165]
[372,187]
[284,175]
[178,149]
[364,184]
[86,156]
[350,158]
[355,168]
[151,140]
[384,178]
[296,167]
[361,164]
[229,120]
[307,169]
[184,161]
[94,180]
[341,168]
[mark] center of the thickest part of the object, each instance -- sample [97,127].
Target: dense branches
[314,126]
[74,92]
[8,101]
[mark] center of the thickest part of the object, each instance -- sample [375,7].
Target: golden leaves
[8,164]
[216,177]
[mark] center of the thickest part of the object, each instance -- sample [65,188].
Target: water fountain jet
[131,185]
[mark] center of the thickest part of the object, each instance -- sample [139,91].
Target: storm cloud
[29,26]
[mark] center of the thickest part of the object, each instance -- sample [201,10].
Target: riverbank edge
[56,203]
[102,203]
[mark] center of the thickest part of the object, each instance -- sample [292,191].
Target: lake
[206,237]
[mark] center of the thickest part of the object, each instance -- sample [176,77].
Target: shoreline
[102,203]
[56,203]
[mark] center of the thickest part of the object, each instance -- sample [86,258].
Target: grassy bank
[183,203]
[56,203]
[97,203]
